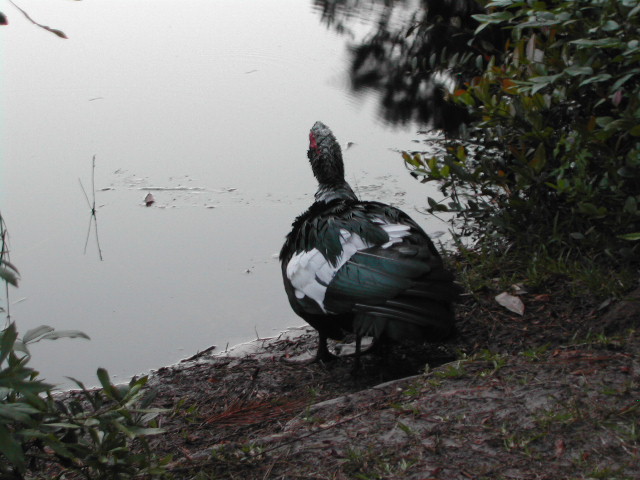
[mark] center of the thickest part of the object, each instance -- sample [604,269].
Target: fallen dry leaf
[511,302]
[149,200]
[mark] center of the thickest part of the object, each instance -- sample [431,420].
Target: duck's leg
[322,354]
[357,364]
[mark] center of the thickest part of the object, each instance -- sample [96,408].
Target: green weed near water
[97,433]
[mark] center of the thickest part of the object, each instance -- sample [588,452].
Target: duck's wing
[402,292]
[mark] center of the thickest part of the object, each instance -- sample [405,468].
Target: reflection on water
[93,219]
[205,104]
[359,18]
[404,66]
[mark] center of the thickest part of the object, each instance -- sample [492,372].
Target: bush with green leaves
[550,163]
[92,434]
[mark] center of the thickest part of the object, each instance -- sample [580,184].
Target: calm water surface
[206,104]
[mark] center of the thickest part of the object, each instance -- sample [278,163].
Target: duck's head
[325,155]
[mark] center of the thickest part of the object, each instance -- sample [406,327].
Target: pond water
[206,104]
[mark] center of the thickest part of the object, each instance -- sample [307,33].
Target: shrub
[97,433]
[550,161]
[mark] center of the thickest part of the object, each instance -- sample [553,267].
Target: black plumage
[360,267]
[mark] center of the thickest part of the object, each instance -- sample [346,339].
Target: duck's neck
[333,191]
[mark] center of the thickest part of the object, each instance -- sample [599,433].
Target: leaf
[19,346]
[600,43]
[66,334]
[435,206]
[539,158]
[630,205]
[633,237]
[124,429]
[626,172]
[146,431]
[103,377]
[545,78]
[500,3]
[543,81]
[409,159]
[497,17]
[45,332]
[575,70]
[18,412]
[9,336]
[590,209]
[61,449]
[509,86]
[531,48]
[603,77]
[36,332]
[70,426]
[7,263]
[510,302]
[622,80]
[603,121]
[465,97]
[8,276]
[10,448]
[55,31]
[616,98]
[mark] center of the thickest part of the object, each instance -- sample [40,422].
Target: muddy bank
[543,396]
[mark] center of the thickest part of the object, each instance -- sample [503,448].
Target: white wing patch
[396,232]
[310,272]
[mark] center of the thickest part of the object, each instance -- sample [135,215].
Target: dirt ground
[552,394]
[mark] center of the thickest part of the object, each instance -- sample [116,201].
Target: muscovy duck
[367,268]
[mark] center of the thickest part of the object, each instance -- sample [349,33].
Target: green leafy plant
[99,433]
[549,165]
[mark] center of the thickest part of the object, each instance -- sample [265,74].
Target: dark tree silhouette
[410,57]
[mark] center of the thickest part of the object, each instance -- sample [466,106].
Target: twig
[199,354]
[4,251]
[85,194]
[55,31]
